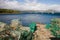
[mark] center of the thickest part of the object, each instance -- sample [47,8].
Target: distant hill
[9,11]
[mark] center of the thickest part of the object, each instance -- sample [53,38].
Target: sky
[31,4]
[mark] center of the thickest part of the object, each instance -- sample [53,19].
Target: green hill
[9,11]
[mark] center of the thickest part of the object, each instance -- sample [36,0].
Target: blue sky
[50,1]
[31,4]
[44,1]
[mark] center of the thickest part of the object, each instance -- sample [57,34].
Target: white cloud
[10,4]
[27,5]
[55,7]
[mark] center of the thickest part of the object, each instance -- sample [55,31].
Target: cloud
[27,5]
[55,7]
[8,4]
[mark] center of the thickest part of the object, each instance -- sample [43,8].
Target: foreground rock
[42,33]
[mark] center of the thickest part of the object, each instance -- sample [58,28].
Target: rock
[14,23]
[42,33]
[2,26]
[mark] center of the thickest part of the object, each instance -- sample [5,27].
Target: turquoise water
[27,18]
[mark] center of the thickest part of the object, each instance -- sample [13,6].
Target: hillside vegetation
[9,11]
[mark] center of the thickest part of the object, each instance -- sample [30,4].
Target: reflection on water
[25,19]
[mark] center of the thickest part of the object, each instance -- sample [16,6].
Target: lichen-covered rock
[2,26]
[25,28]
[14,23]
[42,33]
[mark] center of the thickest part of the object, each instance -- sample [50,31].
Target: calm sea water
[27,18]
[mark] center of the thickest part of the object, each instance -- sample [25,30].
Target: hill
[8,11]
